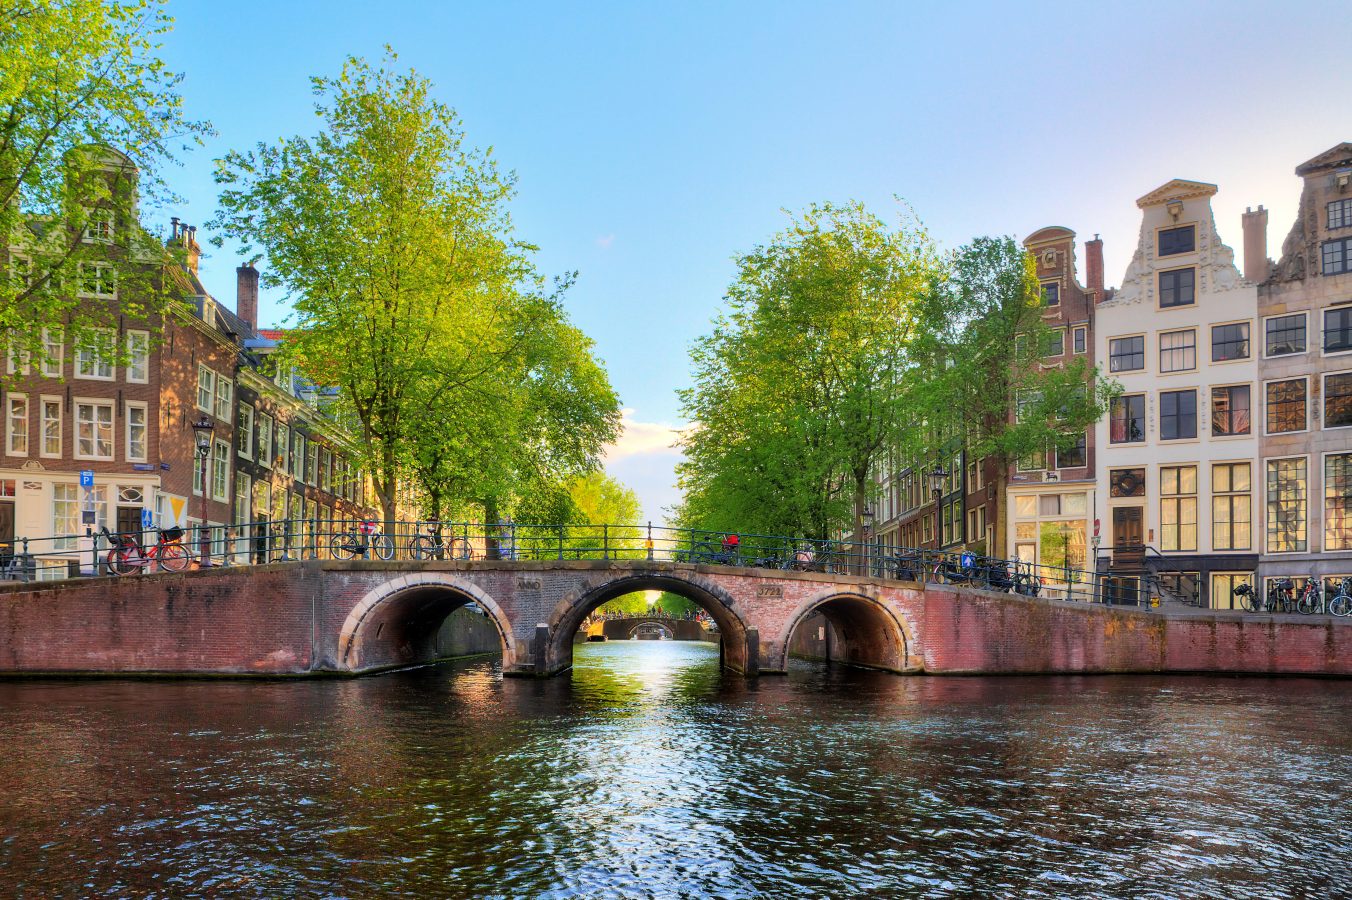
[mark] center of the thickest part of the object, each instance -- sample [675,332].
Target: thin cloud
[605,241]
[642,439]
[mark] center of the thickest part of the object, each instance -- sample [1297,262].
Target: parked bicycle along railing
[101,551]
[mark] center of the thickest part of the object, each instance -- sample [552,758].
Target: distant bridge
[622,628]
[324,616]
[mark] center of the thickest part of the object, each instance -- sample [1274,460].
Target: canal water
[647,773]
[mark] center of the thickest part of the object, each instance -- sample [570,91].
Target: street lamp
[866,525]
[936,480]
[202,430]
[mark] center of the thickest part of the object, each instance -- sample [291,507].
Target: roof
[1178,189]
[1049,234]
[272,334]
[1339,157]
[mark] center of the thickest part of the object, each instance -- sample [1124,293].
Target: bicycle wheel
[1306,604]
[422,547]
[1247,602]
[344,545]
[1341,605]
[459,548]
[383,547]
[120,562]
[172,557]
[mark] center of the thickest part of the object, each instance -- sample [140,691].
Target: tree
[78,78]
[392,238]
[798,390]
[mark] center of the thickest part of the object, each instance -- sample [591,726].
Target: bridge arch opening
[401,623]
[849,629]
[572,611]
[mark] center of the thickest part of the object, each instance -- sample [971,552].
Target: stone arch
[412,608]
[869,632]
[738,653]
[653,623]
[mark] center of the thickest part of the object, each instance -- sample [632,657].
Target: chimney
[246,294]
[1255,245]
[1093,267]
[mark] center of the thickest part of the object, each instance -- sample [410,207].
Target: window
[244,430]
[1286,406]
[1032,461]
[262,500]
[283,433]
[1178,415]
[220,470]
[1073,457]
[93,359]
[1126,419]
[136,432]
[1338,501]
[53,352]
[51,427]
[1080,339]
[206,389]
[243,496]
[1231,522]
[265,439]
[1230,410]
[16,425]
[326,471]
[1054,343]
[1338,329]
[297,456]
[1229,342]
[65,515]
[1340,214]
[1223,586]
[225,393]
[1178,240]
[1336,256]
[1178,508]
[19,359]
[99,227]
[1176,288]
[1285,334]
[1051,294]
[97,280]
[1286,511]
[199,474]
[312,466]
[1126,482]
[93,429]
[1178,351]
[138,356]
[1126,354]
[1338,400]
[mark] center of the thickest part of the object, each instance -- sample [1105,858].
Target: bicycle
[367,536]
[1247,598]
[1341,604]
[127,555]
[431,546]
[1281,595]
[1311,597]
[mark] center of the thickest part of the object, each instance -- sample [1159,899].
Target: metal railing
[255,543]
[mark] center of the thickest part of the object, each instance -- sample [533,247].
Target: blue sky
[653,142]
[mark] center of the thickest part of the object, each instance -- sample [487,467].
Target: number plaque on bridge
[770,590]
[528,584]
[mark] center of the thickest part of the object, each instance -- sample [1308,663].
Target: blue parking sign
[86,478]
[147,518]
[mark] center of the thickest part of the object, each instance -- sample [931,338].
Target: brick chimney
[181,234]
[246,294]
[1255,244]
[1093,267]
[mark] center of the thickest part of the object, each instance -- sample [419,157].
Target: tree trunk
[490,532]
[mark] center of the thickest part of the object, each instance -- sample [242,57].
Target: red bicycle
[127,555]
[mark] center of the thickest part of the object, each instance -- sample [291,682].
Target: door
[6,526]
[129,520]
[1127,526]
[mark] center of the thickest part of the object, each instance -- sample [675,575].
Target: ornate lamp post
[936,480]
[866,526]
[202,430]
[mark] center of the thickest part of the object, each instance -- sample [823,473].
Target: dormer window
[1340,214]
[1178,240]
[1177,288]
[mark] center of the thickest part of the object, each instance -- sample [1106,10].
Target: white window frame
[1308,401]
[281,433]
[11,400]
[243,495]
[94,402]
[1324,399]
[1323,501]
[220,471]
[43,419]
[1304,314]
[138,357]
[263,448]
[225,398]
[312,463]
[206,384]
[145,429]
[100,226]
[91,363]
[18,360]
[1309,500]
[53,362]
[1082,330]
[201,474]
[244,430]
[101,271]
[1323,315]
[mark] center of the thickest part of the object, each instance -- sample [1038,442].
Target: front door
[129,520]
[1127,530]
[6,526]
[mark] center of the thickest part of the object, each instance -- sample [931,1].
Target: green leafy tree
[392,239]
[798,390]
[89,117]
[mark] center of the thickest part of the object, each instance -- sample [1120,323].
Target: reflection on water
[648,773]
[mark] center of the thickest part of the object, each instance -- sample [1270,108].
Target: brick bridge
[356,617]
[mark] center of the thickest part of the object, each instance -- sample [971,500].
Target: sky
[654,142]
